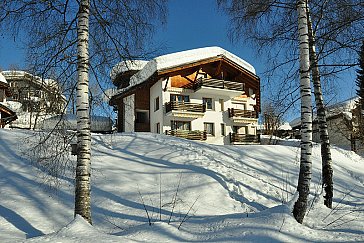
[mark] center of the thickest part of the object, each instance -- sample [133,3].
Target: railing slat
[192,135]
[185,106]
[217,83]
[244,138]
[242,113]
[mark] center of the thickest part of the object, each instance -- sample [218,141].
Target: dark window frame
[223,129]
[176,125]
[156,104]
[208,103]
[212,132]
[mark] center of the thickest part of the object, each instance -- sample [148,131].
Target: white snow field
[224,193]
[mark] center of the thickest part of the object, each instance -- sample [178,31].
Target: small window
[209,128]
[156,104]
[223,133]
[221,101]
[207,102]
[158,128]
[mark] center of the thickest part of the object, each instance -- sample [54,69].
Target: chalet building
[202,94]
[34,93]
[342,125]
[7,115]
[35,96]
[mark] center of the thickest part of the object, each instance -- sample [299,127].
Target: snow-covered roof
[35,79]
[285,127]
[172,60]
[346,105]
[342,107]
[124,66]
[2,79]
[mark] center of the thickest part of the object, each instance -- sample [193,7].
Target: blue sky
[190,24]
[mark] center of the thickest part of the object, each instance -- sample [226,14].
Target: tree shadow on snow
[19,222]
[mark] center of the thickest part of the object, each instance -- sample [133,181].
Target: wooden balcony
[185,109]
[187,134]
[244,138]
[242,113]
[219,84]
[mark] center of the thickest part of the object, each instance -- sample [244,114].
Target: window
[223,133]
[209,128]
[142,117]
[251,91]
[156,104]
[221,101]
[158,128]
[180,98]
[207,102]
[180,125]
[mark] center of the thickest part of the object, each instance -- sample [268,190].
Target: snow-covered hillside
[224,193]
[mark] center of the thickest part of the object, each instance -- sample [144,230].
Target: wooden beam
[218,69]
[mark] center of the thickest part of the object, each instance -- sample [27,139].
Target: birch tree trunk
[83,169]
[327,171]
[304,179]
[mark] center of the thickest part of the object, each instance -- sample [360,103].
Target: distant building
[204,94]
[33,97]
[341,122]
[285,131]
[7,115]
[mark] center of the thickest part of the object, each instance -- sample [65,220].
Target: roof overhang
[169,63]
[7,115]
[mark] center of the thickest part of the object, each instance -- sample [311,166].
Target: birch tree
[360,93]
[83,168]
[327,171]
[305,174]
[84,37]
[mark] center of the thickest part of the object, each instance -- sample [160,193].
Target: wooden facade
[6,114]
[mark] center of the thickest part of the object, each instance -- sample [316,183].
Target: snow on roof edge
[125,66]
[331,110]
[42,81]
[3,79]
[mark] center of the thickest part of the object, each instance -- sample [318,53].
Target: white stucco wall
[157,116]
[215,115]
[129,114]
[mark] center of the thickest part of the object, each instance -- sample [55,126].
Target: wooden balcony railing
[217,83]
[187,134]
[185,106]
[244,138]
[242,113]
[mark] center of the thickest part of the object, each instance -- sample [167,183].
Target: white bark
[327,171]
[304,179]
[83,169]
